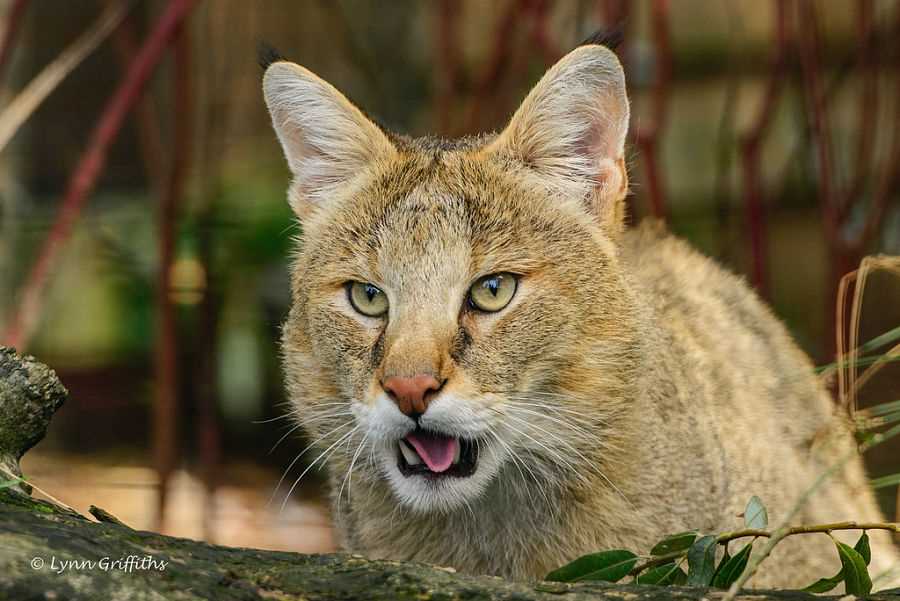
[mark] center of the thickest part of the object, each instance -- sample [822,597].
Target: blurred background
[144,232]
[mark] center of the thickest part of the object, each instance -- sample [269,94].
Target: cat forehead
[442,203]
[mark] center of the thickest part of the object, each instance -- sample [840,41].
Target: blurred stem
[90,166]
[166,403]
[38,89]
[148,123]
[13,19]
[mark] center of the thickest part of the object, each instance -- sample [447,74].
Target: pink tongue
[436,450]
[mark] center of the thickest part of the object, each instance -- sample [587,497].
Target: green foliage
[676,542]
[854,570]
[823,585]
[663,566]
[609,566]
[856,575]
[888,337]
[702,561]
[755,515]
[10,483]
[731,568]
[668,573]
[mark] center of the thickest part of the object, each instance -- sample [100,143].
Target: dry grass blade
[848,341]
[846,364]
[31,97]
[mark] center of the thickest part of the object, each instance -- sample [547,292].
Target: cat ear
[570,132]
[327,140]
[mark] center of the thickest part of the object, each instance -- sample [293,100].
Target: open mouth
[436,455]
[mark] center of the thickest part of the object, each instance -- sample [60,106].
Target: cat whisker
[590,464]
[322,456]
[570,424]
[307,422]
[299,455]
[559,459]
[347,478]
[274,419]
[517,461]
[581,427]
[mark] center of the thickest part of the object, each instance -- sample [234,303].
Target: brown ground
[240,512]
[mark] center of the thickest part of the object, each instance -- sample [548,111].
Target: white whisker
[322,455]
[297,458]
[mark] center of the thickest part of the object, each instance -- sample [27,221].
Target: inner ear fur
[570,131]
[327,141]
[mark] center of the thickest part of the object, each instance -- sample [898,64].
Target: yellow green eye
[492,292]
[367,299]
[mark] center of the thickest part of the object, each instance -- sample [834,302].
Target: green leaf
[610,566]
[892,480]
[676,542]
[731,568]
[855,572]
[823,585]
[883,408]
[879,341]
[862,547]
[861,362]
[755,515]
[10,483]
[888,418]
[668,573]
[702,561]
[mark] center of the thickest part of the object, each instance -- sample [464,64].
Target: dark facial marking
[461,344]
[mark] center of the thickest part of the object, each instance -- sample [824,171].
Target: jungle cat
[501,377]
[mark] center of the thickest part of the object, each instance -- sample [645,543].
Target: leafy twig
[823,528]
[783,530]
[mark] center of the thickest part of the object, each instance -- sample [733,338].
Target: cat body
[500,377]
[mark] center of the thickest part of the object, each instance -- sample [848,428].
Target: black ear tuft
[611,38]
[266,55]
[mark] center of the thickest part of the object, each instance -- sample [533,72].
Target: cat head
[459,317]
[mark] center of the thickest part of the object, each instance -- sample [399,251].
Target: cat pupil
[493,285]
[371,291]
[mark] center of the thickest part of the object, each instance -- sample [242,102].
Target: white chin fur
[442,495]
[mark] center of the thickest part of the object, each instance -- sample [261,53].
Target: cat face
[458,316]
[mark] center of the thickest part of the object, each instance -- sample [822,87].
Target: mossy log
[48,552]
[39,546]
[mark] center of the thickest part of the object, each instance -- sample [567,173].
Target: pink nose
[411,393]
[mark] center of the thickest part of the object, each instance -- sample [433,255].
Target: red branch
[125,44]
[542,40]
[166,401]
[648,137]
[500,56]
[890,177]
[868,110]
[89,167]
[13,24]
[750,149]
[810,62]
[447,73]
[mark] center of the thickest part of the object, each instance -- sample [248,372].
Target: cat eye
[367,299]
[492,292]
